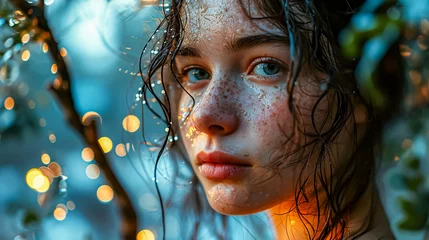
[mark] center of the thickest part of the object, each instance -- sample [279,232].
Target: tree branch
[88,132]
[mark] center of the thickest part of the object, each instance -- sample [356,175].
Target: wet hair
[313,28]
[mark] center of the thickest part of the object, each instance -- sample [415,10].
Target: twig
[63,94]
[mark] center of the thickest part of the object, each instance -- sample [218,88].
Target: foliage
[379,26]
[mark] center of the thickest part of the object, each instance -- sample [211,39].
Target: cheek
[273,122]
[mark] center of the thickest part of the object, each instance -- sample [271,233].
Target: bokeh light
[120,150]
[25,56]
[87,154]
[31,174]
[25,38]
[89,116]
[105,193]
[131,123]
[63,52]
[45,48]
[31,104]
[71,205]
[52,138]
[42,122]
[60,214]
[145,234]
[54,68]
[46,159]
[106,144]
[55,168]
[9,103]
[48,173]
[92,171]
[36,180]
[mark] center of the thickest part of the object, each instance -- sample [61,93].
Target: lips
[220,165]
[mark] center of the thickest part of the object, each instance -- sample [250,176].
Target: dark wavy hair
[313,28]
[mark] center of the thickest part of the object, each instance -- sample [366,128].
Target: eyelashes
[260,69]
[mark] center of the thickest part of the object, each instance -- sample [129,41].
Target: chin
[229,199]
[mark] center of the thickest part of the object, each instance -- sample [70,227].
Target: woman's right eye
[196,74]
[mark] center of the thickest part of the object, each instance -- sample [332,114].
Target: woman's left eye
[266,69]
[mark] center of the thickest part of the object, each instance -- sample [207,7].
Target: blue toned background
[102,41]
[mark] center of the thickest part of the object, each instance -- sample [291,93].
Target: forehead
[209,20]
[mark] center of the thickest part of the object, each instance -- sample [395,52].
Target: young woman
[269,117]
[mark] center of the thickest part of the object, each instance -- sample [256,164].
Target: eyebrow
[239,44]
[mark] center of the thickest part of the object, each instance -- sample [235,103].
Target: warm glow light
[106,144]
[25,55]
[52,138]
[46,159]
[48,173]
[57,83]
[105,193]
[292,222]
[55,168]
[120,150]
[9,103]
[396,158]
[41,183]
[71,205]
[60,214]
[131,123]
[31,175]
[92,171]
[25,38]
[54,68]
[145,235]
[89,116]
[63,52]
[45,47]
[87,154]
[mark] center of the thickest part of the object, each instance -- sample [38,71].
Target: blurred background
[101,41]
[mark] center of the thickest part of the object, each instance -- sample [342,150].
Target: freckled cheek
[268,119]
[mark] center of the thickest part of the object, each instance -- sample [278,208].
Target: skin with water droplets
[242,114]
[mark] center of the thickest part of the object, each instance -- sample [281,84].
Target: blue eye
[197,74]
[266,69]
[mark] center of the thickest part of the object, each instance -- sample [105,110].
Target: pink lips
[219,165]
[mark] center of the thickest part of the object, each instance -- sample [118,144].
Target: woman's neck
[287,223]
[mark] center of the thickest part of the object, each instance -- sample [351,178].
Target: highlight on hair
[313,28]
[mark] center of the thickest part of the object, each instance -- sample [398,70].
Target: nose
[216,114]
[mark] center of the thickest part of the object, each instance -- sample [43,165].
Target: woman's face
[236,69]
